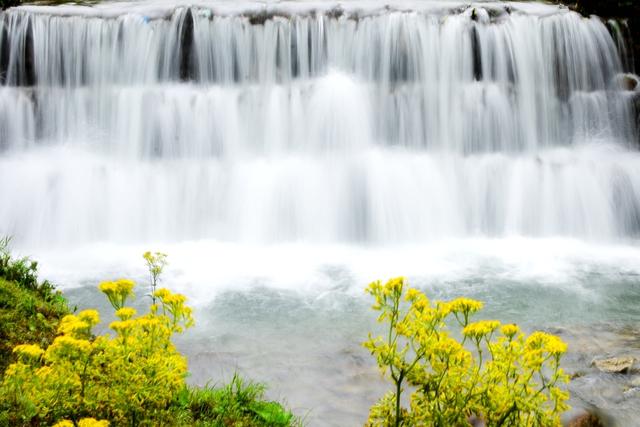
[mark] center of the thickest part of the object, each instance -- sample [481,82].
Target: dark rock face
[627,10]
[5,4]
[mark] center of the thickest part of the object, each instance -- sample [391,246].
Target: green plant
[506,379]
[130,378]
[238,403]
[29,310]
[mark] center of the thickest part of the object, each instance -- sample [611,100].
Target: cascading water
[284,153]
[313,122]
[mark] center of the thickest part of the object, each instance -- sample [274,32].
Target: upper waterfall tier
[487,77]
[440,46]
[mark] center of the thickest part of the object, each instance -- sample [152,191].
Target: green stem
[398,393]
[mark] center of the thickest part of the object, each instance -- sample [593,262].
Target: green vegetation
[29,311]
[238,403]
[507,380]
[135,377]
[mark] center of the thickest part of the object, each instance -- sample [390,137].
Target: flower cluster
[32,351]
[494,373]
[117,292]
[123,378]
[84,422]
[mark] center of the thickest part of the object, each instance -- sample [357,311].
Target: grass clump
[240,403]
[30,311]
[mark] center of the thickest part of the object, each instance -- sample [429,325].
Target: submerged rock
[586,419]
[614,365]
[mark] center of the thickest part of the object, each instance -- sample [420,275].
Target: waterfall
[334,122]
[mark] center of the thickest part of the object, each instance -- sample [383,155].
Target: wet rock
[614,365]
[632,392]
[477,421]
[586,419]
[635,382]
[627,82]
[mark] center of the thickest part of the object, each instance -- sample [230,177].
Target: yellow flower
[464,305]
[555,345]
[92,422]
[510,330]
[480,329]
[67,345]
[28,350]
[162,293]
[70,325]
[413,294]
[126,313]
[92,317]
[121,326]
[174,299]
[125,286]
[117,292]
[107,287]
[64,423]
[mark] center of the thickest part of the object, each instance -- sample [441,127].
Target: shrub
[130,378]
[507,379]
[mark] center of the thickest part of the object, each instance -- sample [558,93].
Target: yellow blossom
[92,317]
[64,423]
[413,294]
[71,324]
[29,350]
[480,329]
[510,330]
[92,422]
[555,345]
[465,305]
[107,287]
[162,293]
[117,292]
[126,313]
[121,326]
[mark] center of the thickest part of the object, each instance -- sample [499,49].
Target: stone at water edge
[628,82]
[614,365]
[586,420]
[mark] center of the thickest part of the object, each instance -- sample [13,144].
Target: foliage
[239,403]
[29,310]
[23,271]
[506,380]
[130,378]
